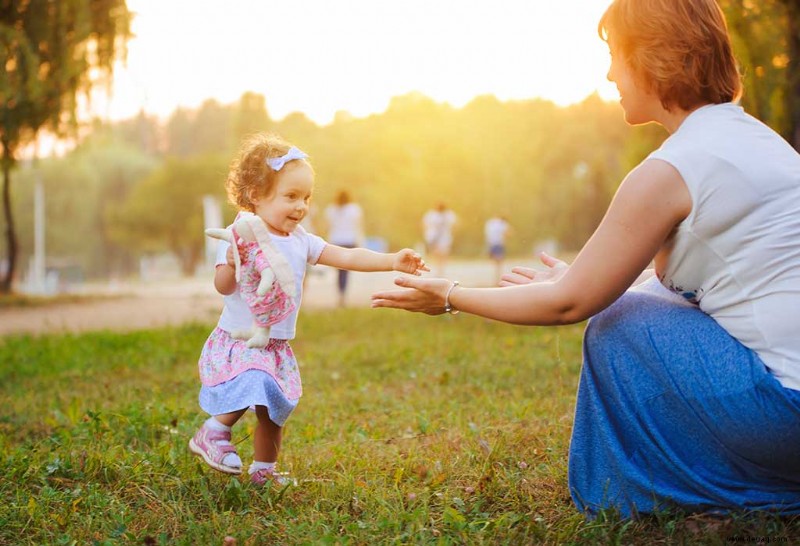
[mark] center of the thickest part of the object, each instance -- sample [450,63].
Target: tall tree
[50,48]
[793,69]
[766,40]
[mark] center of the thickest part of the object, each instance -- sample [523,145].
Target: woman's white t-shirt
[737,254]
[299,248]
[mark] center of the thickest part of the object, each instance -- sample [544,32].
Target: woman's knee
[631,311]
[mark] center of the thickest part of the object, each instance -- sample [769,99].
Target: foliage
[552,171]
[164,212]
[96,177]
[413,434]
[760,37]
[515,158]
[50,50]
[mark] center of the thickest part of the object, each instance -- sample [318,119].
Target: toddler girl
[274,180]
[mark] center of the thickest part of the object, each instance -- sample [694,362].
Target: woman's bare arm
[650,202]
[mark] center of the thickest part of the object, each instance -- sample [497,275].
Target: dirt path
[140,306]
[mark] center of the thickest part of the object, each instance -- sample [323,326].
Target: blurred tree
[99,174]
[213,128]
[793,69]
[141,132]
[50,50]
[180,133]
[250,116]
[164,212]
[766,40]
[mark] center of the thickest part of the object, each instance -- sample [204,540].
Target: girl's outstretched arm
[362,259]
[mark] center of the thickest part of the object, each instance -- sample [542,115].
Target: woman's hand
[408,261]
[419,295]
[526,275]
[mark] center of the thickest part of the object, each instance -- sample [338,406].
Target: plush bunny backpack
[266,280]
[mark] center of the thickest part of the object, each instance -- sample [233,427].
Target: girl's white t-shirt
[737,254]
[344,222]
[299,248]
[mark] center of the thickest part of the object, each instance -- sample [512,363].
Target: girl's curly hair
[249,176]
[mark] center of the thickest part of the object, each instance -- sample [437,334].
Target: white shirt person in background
[495,231]
[437,227]
[345,229]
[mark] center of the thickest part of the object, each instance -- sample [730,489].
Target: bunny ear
[221,234]
[237,259]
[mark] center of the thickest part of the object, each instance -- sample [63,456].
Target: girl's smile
[287,205]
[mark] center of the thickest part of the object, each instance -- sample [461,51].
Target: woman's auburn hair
[679,49]
[249,175]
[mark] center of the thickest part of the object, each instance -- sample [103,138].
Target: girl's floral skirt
[236,377]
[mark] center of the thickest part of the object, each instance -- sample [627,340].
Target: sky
[323,56]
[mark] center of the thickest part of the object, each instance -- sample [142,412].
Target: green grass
[412,430]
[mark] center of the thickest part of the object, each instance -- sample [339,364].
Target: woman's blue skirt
[672,412]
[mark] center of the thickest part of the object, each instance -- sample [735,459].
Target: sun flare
[317,57]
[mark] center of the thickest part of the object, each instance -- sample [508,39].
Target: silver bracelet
[448,308]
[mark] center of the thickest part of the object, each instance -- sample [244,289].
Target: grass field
[411,430]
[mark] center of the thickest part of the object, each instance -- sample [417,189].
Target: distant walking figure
[496,230]
[345,229]
[437,226]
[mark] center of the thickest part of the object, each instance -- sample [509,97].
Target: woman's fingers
[417,294]
[418,283]
[408,299]
[526,272]
[550,261]
[518,275]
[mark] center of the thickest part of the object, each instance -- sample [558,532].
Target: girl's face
[640,106]
[287,205]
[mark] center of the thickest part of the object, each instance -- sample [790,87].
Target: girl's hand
[525,275]
[408,261]
[229,255]
[419,295]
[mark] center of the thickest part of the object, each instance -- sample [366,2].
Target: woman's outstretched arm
[650,202]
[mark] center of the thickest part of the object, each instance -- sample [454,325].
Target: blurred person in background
[345,228]
[495,231]
[437,229]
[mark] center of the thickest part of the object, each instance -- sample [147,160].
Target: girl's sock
[231,459]
[255,466]
[213,424]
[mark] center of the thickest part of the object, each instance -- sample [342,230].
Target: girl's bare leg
[229,419]
[267,437]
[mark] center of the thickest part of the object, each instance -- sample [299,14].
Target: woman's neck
[671,120]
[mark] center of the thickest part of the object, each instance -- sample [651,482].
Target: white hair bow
[277,163]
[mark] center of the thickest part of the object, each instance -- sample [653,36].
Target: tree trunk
[11,234]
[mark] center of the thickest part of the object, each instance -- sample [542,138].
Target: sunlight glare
[320,57]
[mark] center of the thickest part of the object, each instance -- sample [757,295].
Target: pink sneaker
[261,477]
[206,444]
